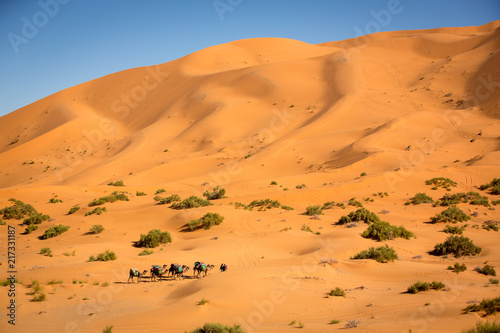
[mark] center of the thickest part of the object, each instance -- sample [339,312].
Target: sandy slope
[241,115]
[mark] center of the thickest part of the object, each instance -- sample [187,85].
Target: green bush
[140,194]
[18,210]
[2,222]
[55,200]
[55,231]
[36,218]
[146,252]
[73,209]
[97,211]
[167,200]
[30,228]
[191,202]
[328,205]
[104,256]
[361,214]
[314,210]
[457,268]
[489,306]
[421,198]
[445,183]
[382,254]
[46,251]
[154,238]
[424,286]
[110,198]
[473,198]
[216,194]
[117,183]
[381,230]
[494,186]
[265,204]
[300,186]
[274,182]
[160,190]
[493,281]
[337,292]
[96,229]
[218,328]
[454,230]
[487,270]
[486,327]
[39,297]
[206,222]
[458,246]
[490,225]
[451,214]
[354,202]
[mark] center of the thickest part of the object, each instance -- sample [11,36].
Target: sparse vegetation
[455,230]
[445,183]
[160,190]
[381,230]
[108,329]
[37,292]
[362,174]
[36,218]
[352,323]
[424,286]
[354,202]
[96,229]
[451,214]
[489,306]
[140,194]
[191,202]
[458,246]
[18,210]
[361,214]
[490,225]
[206,222]
[337,292]
[53,281]
[458,268]
[97,211]
[73,209]
[146,252]
[274,182]
[117,183]
[104,256]
[334,321]
[493,186]
[55,231]
[167,200]
[487,270]
[218,328]
[493,281]
[314,210]
[486,327]
[115,196]
[382,254]
[203,301]
[30,228]
[46,251]
[473,198]
[300,186]
[154,238]
[215,194]
[420,198]
[55,200]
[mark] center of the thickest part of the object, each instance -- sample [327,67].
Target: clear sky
[49,45]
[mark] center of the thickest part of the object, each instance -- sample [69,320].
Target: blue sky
[49,45]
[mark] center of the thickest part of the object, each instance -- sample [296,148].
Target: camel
[159,271]
[176,270]
[200,267]
[134,272]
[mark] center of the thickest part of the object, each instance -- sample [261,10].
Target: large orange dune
[379,114]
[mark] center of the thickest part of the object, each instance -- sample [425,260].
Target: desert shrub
[354,202]
[493,281]
[490,225]
[191,202]
[437,285]
[445,183]
[493,186]
[117,183]
[146,252]
[274,182]
[265,204]
[334,321]
[381,230]
[382,254]
[495,202]
[160,190]
[18,210]
[458,246]
[314,210]
[140,194]
[216,194]
[30,228]
[328,205]
[110,198]
[73,209]
[206,222]
[107,329]
[457,268]
[489,306]
[36,218]
[104,256]
[337,292]
[362,174]
[46,251]
[96,229]
[421,198]
[361,214]
[451,214]
[306,228]
[154,238]
[55,200]
[454,230]
[218,328]
[54,281]
[2,222]
[97,211]
[486,327]
[286,207]
[424,286]
[55,231]
[170,199]
[300,186]
[352,323]
[40,297]
[487,270]
[473,198]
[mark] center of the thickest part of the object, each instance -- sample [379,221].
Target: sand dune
[239,116]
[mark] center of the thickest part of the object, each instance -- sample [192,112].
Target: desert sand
[337,117]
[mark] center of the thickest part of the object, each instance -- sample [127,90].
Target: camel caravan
[175,272]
